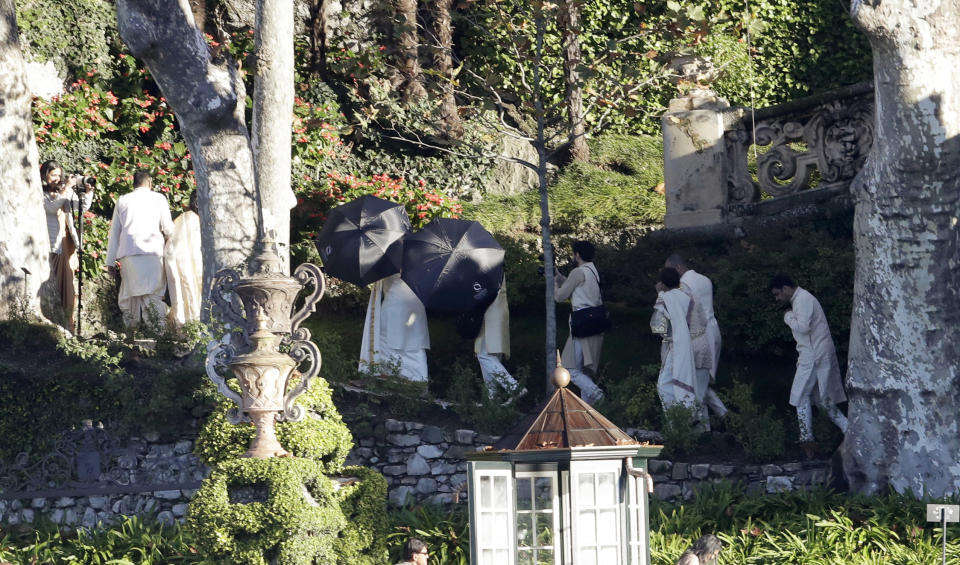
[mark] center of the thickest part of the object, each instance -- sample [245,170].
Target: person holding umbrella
[362,242]
[395,330]
[581,355]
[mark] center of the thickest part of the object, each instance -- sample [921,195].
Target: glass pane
[485,493]
[545,557]
[588,528]
[586,497]
[544,530]
[608,526]
[608,554]
[606,489]
[500,492]
[524,530]
[486,529]
[501,529]
[544,493]
[525,557]
[486,557]
[523,494]
[588,556]
[502,556]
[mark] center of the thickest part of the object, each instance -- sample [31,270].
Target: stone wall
[422,463]
[673,480]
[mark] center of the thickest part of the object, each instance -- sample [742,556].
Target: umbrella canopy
[453,265]
[362,240]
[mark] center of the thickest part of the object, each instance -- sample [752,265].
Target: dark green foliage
[364,505]
[77,36]
[680,435]
[445,531]
[634,399]
[473,405]
[285,522]
[50,386]
[757,428]
[132,540]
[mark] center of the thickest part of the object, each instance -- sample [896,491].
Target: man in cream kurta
[141,222]
[677,381]
[818,373]
[492,346]
[582,288]
[700,289]
[395,330]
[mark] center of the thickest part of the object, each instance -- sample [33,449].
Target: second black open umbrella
[453,265]
[361,241]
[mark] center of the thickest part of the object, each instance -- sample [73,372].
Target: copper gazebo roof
[563,421]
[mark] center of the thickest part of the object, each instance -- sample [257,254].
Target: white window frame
[637,515]
[555,511]
[479,472]
[576,469]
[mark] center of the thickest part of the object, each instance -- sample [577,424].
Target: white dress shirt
[141,219]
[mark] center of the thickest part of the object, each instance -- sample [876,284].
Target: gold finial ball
[561,377]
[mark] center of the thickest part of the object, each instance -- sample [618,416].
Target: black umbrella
[453,265]
[362,240]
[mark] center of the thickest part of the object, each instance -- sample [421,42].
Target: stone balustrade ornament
[832,138]
[259,307]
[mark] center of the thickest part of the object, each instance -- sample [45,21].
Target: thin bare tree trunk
[24,243]
[569,23]
[411,87]
[548,258]
[904,375]
[206,92]
[443,62]
[273,119]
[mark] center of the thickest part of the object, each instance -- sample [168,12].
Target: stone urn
[264,345]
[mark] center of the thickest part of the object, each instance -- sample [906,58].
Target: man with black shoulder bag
[588,321]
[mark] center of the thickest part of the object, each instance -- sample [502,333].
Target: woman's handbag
[586,322]
[592,320]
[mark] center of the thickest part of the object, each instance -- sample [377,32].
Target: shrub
[364,505]
[756,427]
[680,435]
[321,435]
[445,531]
[258,511]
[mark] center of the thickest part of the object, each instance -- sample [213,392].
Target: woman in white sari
[677,381]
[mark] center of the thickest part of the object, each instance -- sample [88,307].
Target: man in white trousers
[818,373]
[141,224]
[700,288]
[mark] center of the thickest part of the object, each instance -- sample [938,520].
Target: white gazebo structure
[565,487]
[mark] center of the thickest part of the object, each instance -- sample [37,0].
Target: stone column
[694,170]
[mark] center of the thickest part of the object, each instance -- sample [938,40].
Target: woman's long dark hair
[45,168]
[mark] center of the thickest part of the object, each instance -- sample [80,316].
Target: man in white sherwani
[817,379]
[395,330]
[141,222]
[492,345]
[700,289]
[677,381]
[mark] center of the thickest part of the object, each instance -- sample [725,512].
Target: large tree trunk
[273,119]
[904,376]
[24,243]
[206,93]
[443,62]
[411,85]
[569,23]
